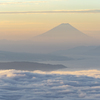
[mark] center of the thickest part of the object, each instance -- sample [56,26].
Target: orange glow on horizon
[34,24]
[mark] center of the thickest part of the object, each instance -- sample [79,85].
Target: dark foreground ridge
[30,66]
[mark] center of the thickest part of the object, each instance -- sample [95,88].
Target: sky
[24,19]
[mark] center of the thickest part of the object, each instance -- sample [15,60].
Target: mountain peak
[65,24]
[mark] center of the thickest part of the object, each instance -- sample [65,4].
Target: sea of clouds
[56,85]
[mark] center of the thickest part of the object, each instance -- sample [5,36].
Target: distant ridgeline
[15,56]
[30,66]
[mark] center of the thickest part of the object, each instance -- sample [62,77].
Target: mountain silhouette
[64,30]
[60,37]
[80,50]
[94,52]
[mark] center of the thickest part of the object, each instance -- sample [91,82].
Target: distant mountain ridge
[94,52]
[80,50]
[30,66]
[15,56]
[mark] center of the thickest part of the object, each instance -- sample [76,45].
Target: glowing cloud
[53,11]
[23,85]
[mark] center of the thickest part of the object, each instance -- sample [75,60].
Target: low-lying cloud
[52,12]
[25,85]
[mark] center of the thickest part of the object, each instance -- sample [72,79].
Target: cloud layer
[52,12]
[21,85]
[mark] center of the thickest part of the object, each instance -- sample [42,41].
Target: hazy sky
[23,19]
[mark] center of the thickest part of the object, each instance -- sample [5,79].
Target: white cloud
[52,12]
[25,85]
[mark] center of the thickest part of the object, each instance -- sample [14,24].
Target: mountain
[59,38]
[64,32]
[94,52]
[30,66]
[80,50]
[15,56]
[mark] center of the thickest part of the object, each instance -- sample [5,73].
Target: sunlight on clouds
[11,73]
[37,85]
[52,11]
[90,73]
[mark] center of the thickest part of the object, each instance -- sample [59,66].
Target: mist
[61,37]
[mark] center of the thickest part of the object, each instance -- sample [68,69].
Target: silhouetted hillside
[30,66]
[94,52]
[80,50]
